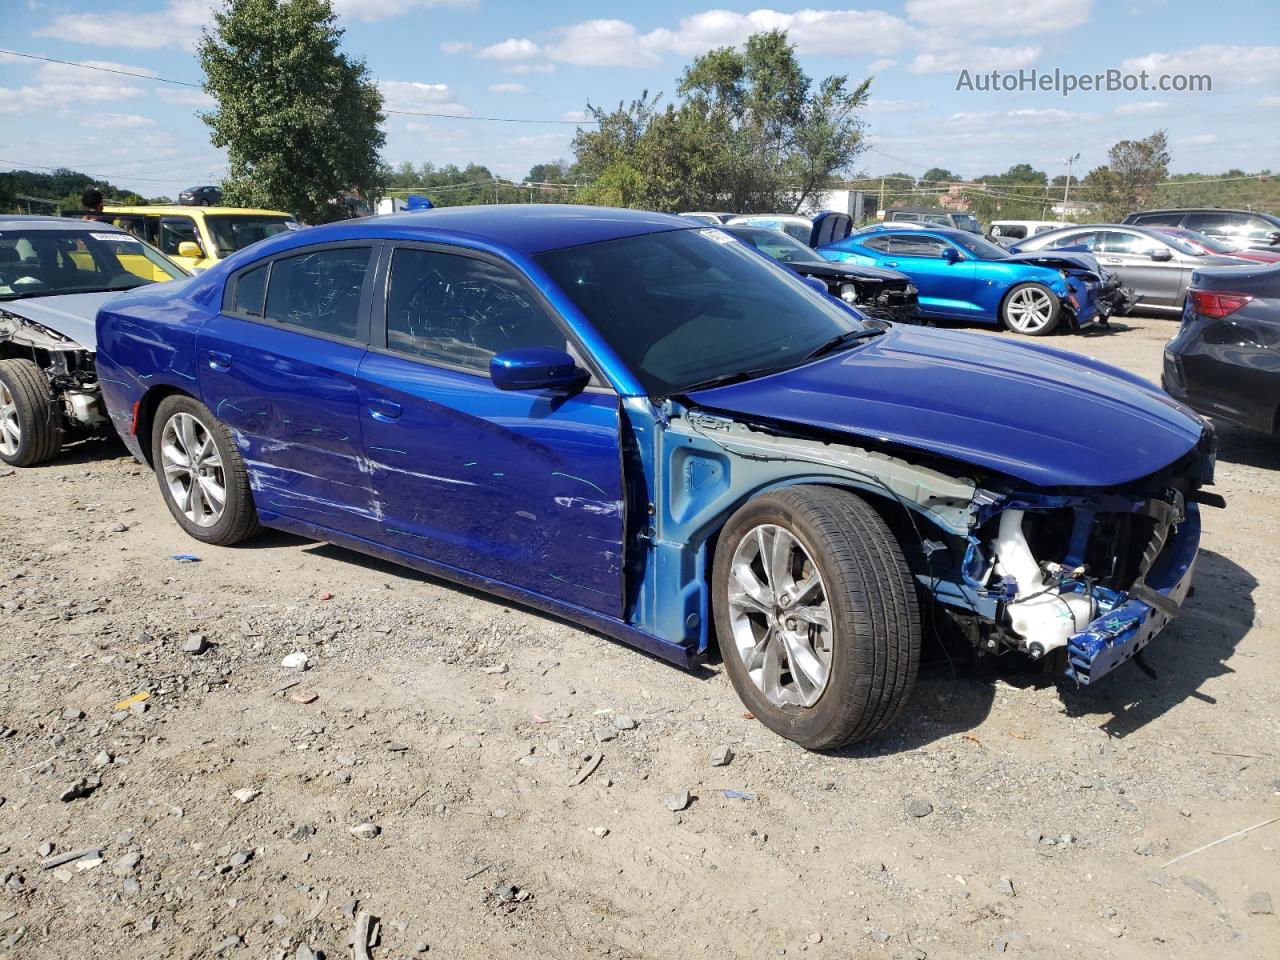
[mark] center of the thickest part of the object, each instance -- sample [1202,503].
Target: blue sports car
[962,276]
[638,423]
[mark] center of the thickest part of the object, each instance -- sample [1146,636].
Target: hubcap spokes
[780,616]
[10,428]
[1030,309]
[193,470]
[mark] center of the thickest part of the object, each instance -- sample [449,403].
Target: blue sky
[544,61]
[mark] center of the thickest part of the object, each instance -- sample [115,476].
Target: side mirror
[189,248]
[1275,238]
[1161,255]
[950,254]
[534,368]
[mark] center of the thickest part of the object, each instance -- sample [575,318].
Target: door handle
[219,360]
[891,263]
[384,410]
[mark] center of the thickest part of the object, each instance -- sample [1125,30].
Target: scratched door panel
[522,487]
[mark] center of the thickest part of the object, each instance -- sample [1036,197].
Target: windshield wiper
[836,342]
[724,379]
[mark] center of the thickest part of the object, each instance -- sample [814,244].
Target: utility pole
[1066,189]
[881,194]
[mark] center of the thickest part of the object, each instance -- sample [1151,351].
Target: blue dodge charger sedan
[962,276]
[635,422]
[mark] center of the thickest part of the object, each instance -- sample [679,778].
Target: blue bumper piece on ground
[1116,636]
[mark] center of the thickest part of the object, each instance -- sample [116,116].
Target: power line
[187,83]
[86,66]
[95,175]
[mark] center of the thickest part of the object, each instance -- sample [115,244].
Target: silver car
[1156,266]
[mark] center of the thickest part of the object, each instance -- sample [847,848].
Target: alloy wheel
[193,471]
[1029,310]
[780,616]
[10,426]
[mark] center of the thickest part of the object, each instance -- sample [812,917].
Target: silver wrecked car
[54,274]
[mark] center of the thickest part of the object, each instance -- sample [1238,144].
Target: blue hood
[1041,415]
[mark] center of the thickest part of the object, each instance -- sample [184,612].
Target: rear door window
[917,246]
[319,292]
[1115,241]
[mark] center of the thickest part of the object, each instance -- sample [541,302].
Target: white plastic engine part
[1040,614]
[83,407]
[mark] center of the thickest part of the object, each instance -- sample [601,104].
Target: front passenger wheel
[816,615]
[29,429]
[201,473]
[1031,309]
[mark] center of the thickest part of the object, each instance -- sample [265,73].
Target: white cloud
[814,32]
[602,43]
[55,86]
[1000,17]
[116,121]
[1200,139]
[1141,106]
[186,98]
[178,24]
[884,63]
[544,139]
[974,59]
[456,46]
[507,88]
[425,97]
[371,11]
[526,68]
[1243,65]
[895,106]
[1267,103]
[513,48]
[574,116]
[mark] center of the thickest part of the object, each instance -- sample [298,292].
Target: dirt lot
[455,726]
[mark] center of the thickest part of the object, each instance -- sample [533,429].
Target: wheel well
[147,413]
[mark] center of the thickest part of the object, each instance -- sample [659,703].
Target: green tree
[301,120]
[936,176]
[1130,178]
[749,132]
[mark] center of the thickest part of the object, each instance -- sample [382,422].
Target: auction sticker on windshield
[719,236]
[122,237]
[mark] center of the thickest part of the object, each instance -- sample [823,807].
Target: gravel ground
[472,780]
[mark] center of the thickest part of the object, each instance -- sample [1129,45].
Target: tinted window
[1219,223]
[1163,219]
[175,231]
[1012,231]
[683,306]
[1086,239]
[249,291]
[319,292]
[232,233]
[877,243]
[459,310]
[908,246]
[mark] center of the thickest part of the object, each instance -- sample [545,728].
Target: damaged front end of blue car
[1077,578]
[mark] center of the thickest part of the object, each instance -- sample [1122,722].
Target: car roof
[166,208]
[743,219]
[947,233]
[522,228]
[69,224]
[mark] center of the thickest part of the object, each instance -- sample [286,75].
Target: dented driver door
[522,487]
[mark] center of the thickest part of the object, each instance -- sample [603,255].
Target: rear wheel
[816,614]
[201,473]
[1031,309]
[29,428]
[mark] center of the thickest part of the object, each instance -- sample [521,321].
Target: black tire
[1037,290]
[239,519]
[39,427]
[871,595]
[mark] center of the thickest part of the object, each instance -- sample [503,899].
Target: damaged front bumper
[1134,619]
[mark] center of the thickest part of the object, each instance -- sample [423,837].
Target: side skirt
[682,656]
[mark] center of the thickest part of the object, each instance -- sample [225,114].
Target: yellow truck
[198,237]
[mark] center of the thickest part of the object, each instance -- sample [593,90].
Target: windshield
[967,221]
[980,247]
[235,232]
[687,306]
[772,243]
[46,263]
